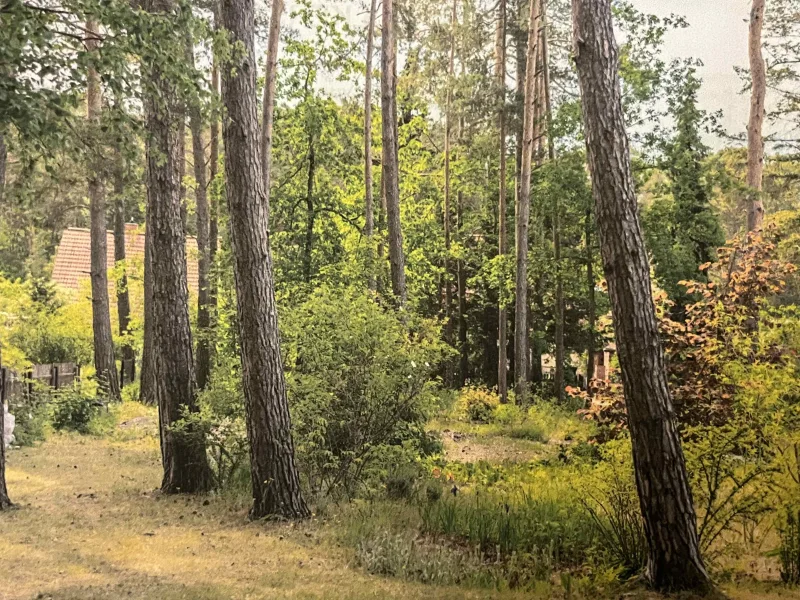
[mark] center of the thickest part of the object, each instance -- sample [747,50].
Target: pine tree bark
[446,275]
[500,83]
[5,501]
[213,227]
[104,362]
[147,394]
[203,224]
[591,316]
[276,483]
[183,454]
[755,138]
[128,369]
[463,344]
[664,493]
[268,107]
[524,206]
[369,208]
[390,164]
[3,163]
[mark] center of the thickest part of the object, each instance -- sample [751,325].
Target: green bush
[360,388]
[32,415]
[789,549]
[73,410]
[478,404]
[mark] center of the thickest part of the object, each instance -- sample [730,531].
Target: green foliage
[73,409]
[789,550]
[360,387]
[478,404]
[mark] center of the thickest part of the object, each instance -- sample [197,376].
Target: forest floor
[89,524]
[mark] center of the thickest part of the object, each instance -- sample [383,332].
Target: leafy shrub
[507,414]
[32,415]
[789,550]
[73,410]
[478,404]
[360,388]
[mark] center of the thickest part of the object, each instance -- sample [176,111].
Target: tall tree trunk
[664,493]
[463,346]
[128,370]
[311,212]
[524,206]
[500,83]
[203,223]
[551,153]
[276,483]
[448,118]
[390,165]
[3,163]
[591,316]
[183,455]
[369,210]
[104,362]
[5,501]
[213,227]
[268,108]
[755,139]
[147,382]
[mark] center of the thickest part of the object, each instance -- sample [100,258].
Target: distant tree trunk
[147,383]
[128,370]
[5,501]
[311,212]
[524,206]
[369,226]
[213,228]
[104,362]
[183,454]
[463,345]
[446,273]
[755,139]
[390,159]
[276,483]
[203,223]
[664,493]
[268,108]
[3,162]
[591,316]
[500,83]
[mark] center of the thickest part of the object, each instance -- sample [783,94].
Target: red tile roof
[73,256]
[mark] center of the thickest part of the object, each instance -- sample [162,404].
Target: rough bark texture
[5,501]
[524,207]
[390,165]
[147,394]
[183,455]
[203,223]
[3,162]
[128,370]
[268,108]
[463,345]
[276,484]
[755,139]
[661,479]
[500,82]
[369,208]
[591,316]
[104,363]
[446,275]
[213,227]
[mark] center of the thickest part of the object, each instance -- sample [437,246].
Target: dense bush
[360,388]
[73,409]
[478,404]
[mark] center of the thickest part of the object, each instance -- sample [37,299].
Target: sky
[717,35]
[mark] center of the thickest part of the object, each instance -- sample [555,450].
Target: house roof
[73,256]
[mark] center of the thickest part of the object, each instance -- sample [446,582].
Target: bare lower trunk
[147,393]
[463,346]
[213,227]
[390,164]
[183,453]
[275,480]
[5,501]
[203,222]
[268,108]
[369,211]
[591,316]
[128,369]
[524,206]
[104,362]
[664,493]
[755,139]
[500,82]
[3,162]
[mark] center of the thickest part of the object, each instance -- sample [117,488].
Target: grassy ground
[90,525]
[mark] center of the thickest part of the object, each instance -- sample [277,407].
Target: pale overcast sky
[717,34]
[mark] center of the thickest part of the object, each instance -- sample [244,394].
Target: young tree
[755,139]
[500,82]
[524,203]
[369,209]
[276,483]
[665,498]
[389,162]
[123,298]
[183,453]
[5,501]
[104,363]
[268,108]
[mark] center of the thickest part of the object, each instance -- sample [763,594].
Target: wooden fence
[57,375]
